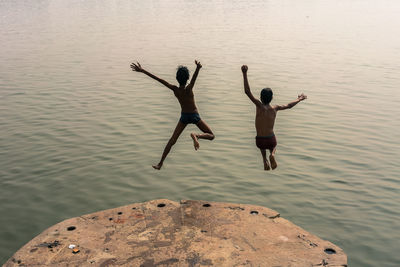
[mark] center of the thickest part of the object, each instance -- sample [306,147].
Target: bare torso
[185,97]
[265,120]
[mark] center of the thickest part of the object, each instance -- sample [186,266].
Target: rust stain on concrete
[190,233]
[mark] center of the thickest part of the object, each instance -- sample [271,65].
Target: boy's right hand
[301,97]
[198,64]
[136,67]
[244,69]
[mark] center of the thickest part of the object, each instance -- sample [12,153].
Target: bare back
[265,120]
[184,94]
[185,97]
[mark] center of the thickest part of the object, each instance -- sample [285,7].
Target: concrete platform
[190,233]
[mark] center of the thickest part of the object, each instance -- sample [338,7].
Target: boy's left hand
[302,97]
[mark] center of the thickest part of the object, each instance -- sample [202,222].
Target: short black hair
[182,75]
[266,95]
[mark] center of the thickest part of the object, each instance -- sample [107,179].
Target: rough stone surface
[190,233]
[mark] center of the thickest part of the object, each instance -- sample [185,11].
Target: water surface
[79,130]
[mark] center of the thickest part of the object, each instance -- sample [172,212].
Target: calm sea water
[79,130]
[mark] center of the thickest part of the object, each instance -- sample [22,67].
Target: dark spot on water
[119,213]
[71,228]
[161,205]
[254,212]
[330,251]
[206,205]
[339,182]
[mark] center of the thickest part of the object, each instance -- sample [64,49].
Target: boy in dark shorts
[185,96]
[265,120]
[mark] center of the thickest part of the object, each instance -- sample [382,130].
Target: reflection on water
[79,130]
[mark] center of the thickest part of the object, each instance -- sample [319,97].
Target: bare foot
[195,141]
[273,162]
[158,166]
[266,166]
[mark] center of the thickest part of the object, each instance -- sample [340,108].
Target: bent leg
[207,134]
[178,130]
[265,161]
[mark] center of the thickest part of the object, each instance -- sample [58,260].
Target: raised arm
[291,104]
[137,67]
[247,87]
[195,74]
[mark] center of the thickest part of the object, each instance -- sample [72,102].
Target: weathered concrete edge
[266,212]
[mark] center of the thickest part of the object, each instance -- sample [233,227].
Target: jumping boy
[265,120]
[189,114]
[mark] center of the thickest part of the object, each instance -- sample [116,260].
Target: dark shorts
[187,118]
[266,142]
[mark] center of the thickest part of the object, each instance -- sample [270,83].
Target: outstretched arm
[247,87]
[137,67]
[292,104]
[195,74]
